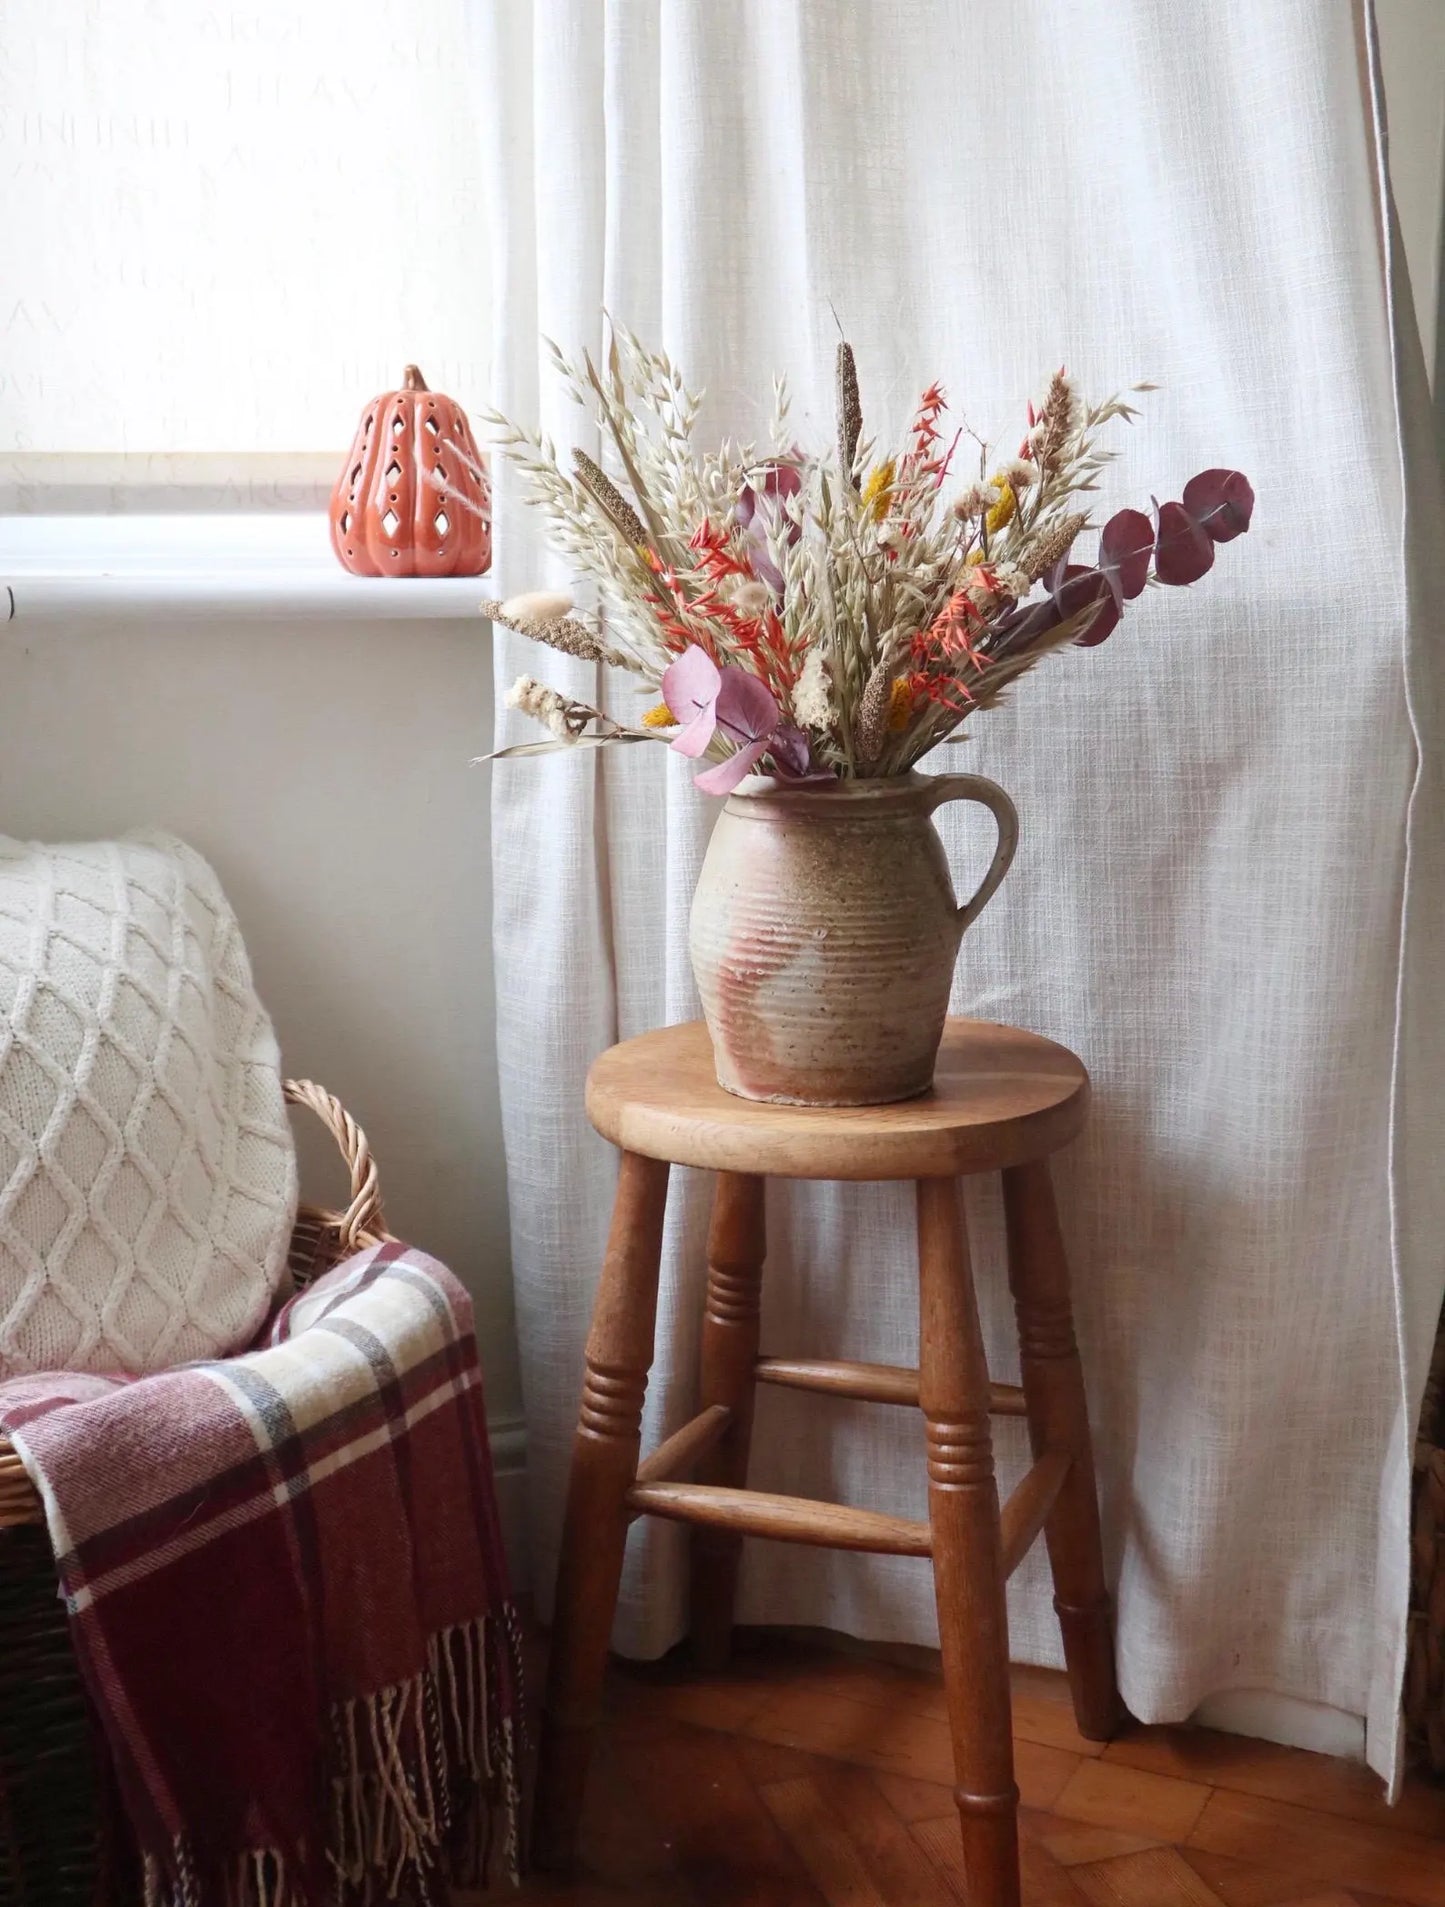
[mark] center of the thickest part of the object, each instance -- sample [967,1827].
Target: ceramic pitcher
[824,932]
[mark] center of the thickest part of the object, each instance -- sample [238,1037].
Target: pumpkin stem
[412,379]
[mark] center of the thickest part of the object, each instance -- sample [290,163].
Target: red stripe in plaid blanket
[289,1599]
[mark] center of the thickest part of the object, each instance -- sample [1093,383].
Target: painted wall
[1412,59]
[323,768]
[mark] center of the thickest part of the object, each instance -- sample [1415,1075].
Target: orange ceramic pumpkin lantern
[413,499]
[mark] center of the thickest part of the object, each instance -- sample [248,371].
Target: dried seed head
[565,633]
[850,413]
[610,500]
[874,708]
[1051,546]
[537,605]
[1057,415]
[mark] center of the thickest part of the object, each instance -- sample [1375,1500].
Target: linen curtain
[1231,864]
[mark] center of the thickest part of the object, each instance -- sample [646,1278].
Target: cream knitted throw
[147,1170]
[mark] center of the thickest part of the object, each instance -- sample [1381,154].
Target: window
[225,226]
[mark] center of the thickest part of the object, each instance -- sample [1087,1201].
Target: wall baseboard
[1284,1718]
[508,1438]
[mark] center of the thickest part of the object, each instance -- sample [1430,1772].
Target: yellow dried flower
[1002,512]
[660,716]
[900,706]
[879,488]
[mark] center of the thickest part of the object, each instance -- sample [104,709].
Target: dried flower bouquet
[835,614]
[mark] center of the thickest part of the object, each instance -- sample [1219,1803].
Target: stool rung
[1027,1510]
[868,1383]
[788,1519]
[675,1456]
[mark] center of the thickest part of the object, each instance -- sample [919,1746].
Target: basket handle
[363,1221]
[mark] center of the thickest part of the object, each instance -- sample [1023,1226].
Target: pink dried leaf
[745,707]
[727,774]
[690,688]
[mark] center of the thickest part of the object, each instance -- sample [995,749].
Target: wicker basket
[59,1842]
[1425,1663]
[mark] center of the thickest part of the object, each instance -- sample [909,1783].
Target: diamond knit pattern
[147,1168]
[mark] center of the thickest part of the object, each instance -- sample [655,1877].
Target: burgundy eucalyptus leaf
[779,482]
[1072,588]
[792,752]
[761,564]
[760,514]
[1124,552]
[1183,551]
[1221,502]
[1075,588]
[1026,624]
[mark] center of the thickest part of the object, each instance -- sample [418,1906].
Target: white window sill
[262,565]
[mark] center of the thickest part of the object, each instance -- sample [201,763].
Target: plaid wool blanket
[288,1597]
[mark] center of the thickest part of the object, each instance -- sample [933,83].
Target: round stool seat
[1000,1098]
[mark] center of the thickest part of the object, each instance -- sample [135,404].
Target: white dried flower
[1011,581]
[1019,473]
[976,500]
[545,705]
[812,703]
[752,599]
[537,605]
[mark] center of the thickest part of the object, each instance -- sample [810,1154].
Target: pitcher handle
[979,788]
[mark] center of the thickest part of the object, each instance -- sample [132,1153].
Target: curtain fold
[1213,902]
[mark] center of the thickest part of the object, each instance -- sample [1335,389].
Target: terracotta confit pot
[824,933]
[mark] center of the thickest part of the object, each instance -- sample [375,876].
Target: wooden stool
[1002,1101]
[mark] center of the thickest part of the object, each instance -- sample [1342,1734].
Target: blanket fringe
[416,1774]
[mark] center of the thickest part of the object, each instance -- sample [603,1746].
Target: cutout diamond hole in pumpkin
[399,509]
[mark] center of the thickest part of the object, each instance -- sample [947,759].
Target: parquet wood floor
[806,1778]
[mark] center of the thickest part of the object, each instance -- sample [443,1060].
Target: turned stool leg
[736,1244]
[953,1389]
[594,1532]
[1058,1412]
